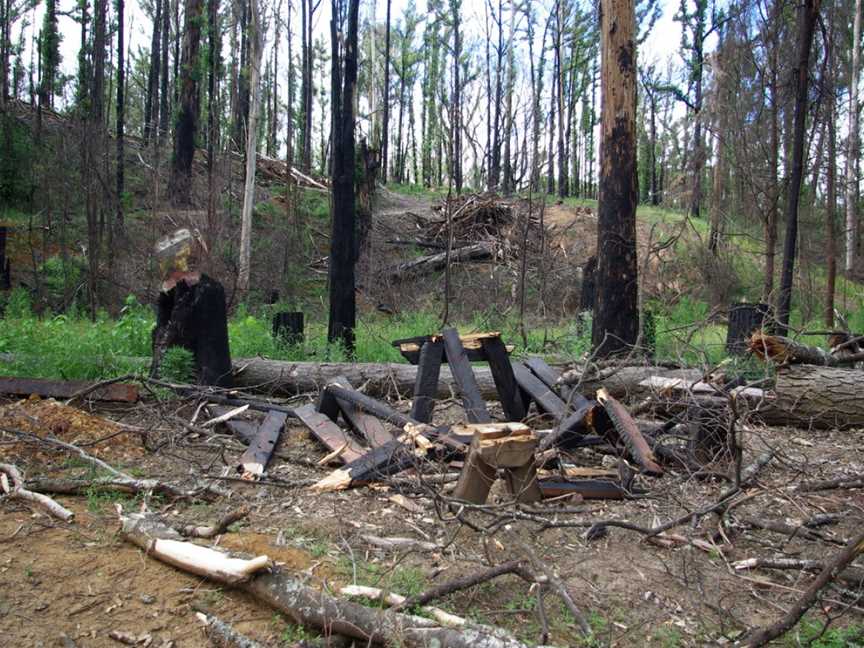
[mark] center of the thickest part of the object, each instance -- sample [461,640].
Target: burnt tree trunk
[187,118]
[151,101]
[807,16]
[343,309]
[192,315]
[616,313]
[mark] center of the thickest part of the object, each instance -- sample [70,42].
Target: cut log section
[115,392]
[433,262]
[341,445]
[254,461]
[506,446]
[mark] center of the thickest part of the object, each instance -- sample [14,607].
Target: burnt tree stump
[744,319]
[288,327]
[192,315]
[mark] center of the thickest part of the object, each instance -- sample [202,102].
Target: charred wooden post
[472,400]
[191,312]
[426,386]
[744,320]
[506,446]
[505,382]
[288,327]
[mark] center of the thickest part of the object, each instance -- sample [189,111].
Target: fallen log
[629,434]
[433,262]
[312,608]
[821,397]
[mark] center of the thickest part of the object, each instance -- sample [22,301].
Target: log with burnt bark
[302,603]
[434,262]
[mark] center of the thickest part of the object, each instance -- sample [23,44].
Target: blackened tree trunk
[214,65]
[151,100]
[192,315]
[495,164]
[164,97]
[343,312]
[121,113]
[852,152]
[616,314]
[385,134]
[807,16]
[455,8]
[186,127]
[831,181]
[308,12]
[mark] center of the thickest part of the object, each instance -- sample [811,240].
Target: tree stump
[288,327]
[192,315]
[744,319]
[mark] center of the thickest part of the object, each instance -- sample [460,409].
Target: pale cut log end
[337,480]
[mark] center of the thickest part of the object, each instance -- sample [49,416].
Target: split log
[322,427]
[426,385]
[254,461]
[369,427]
[629,433]
[506,446]
[12,487]
[114,392]
[433,262]
[312,608]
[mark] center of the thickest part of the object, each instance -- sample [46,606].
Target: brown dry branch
[830,572]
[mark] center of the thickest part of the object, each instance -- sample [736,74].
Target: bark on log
[624,382]
[433,262]
[819,397]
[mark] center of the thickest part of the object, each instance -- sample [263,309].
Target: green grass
[813,633]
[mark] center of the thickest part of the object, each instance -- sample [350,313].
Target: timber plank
[547,400]
[472,400]
[115,392]
[331,435]
[369,427]
[254,461]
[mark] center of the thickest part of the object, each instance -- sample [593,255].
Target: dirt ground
[73,584]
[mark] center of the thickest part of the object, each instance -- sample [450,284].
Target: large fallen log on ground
[433,262]
[821,397]
[379,379]
[783,350]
